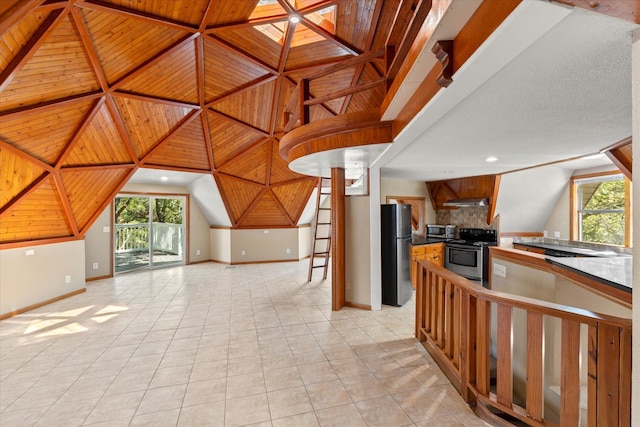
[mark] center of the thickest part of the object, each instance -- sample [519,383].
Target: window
[601,209]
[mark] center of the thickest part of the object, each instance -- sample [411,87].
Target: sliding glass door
[149,231]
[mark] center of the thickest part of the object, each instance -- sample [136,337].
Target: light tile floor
[206,345]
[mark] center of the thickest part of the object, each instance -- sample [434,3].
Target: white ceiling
[551,83]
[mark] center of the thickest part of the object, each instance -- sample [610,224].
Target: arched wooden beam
[348,130]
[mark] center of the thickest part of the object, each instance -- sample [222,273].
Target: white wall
[635,84]
[304,241]
[34,279]
[220,244]
[357,262]
[263,245]
[405,187]
[97,246]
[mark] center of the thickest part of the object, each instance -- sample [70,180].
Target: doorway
[149,231]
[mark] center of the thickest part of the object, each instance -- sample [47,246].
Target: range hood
[476,201]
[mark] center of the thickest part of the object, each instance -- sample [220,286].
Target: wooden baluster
[505,373]
[456,330]
[624,403]
[419,306]
[570,374]
[483,320]
[440,316]
[448,319]
[535,333]
[433,306]
[608,375]
[468,346]
[592,376]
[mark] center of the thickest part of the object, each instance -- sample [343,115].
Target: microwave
[444,231]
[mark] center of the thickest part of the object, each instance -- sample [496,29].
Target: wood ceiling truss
[115,86]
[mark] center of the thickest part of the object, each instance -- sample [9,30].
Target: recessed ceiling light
[491,159]
[294,19]
[164,178]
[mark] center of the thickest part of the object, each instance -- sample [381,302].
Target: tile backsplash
[466,216]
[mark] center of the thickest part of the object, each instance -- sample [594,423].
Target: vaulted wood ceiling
[92,90]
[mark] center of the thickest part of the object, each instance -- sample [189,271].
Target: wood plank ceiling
[92,90]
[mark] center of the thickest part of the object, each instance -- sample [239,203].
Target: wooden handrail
[453,318]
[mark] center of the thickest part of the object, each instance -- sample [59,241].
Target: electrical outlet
[266,231]
[30,252]
[95,265]
[197,251]
[500,270]
[348,286]
[67,278]
[556,234]
[288,251]
[243,253]
[106,229]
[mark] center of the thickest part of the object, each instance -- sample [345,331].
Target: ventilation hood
[475,201]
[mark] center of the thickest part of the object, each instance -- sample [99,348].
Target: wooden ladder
[321,231]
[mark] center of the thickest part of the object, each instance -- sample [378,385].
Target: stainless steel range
[468,256]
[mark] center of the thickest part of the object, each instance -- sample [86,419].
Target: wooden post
[338,276]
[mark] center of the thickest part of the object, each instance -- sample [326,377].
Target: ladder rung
[320,253]
[324,223]
[326,194]
[318,266]
[324,209]
[321,238]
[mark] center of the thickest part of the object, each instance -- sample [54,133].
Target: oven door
[464,260]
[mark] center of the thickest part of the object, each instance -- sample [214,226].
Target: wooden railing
[453,318]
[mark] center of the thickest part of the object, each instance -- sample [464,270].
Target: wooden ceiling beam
[51,105]
[200,71]
[254,60]
[282,208]
[342,65]
[66,203]
[121,128]
[17,11]
[239,122]
[294,181]
[207,16]
[252,205]
[265,20]
[89,49]
[174,168]
[244,88]
[207,138]
[286,46]
[30,48]
[101,6]
[155,100]
[153,60]
[24,193]
[330,37]
[242,153]
[344,92]
[274,105]
[77,134]
[18,152]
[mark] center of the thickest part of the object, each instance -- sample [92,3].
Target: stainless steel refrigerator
[395,233]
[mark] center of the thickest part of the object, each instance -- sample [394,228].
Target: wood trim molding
[357,305]
[41,304]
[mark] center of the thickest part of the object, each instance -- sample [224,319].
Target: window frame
[574,201]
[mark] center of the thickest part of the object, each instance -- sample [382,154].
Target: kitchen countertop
[581,252]
[611,270]
[420,240]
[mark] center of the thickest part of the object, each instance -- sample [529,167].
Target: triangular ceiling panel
[316,53]
[280,171]
[122,50]
[294,197]
[172,77]
[331,83]
[39,215]
[148,122]
[16,174]
[47,132]
[251,165]
[266,213]
[19,35]
[250,106]
[88,190]
[187,149]
[100,144]
[190,12]
[76,76]
[318,112]
[226,70]
[238,193]
[229,139]
[227,11]
[252,43]
[353,19]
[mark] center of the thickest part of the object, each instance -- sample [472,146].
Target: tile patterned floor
[205,345]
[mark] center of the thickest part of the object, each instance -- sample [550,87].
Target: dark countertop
[611,270]
[420,240]
[580,252]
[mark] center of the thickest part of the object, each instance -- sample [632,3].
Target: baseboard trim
[40,304]
[201,262]
[264,262]
[357,305]
[93,279]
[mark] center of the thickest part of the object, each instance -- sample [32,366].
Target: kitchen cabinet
[433,252]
